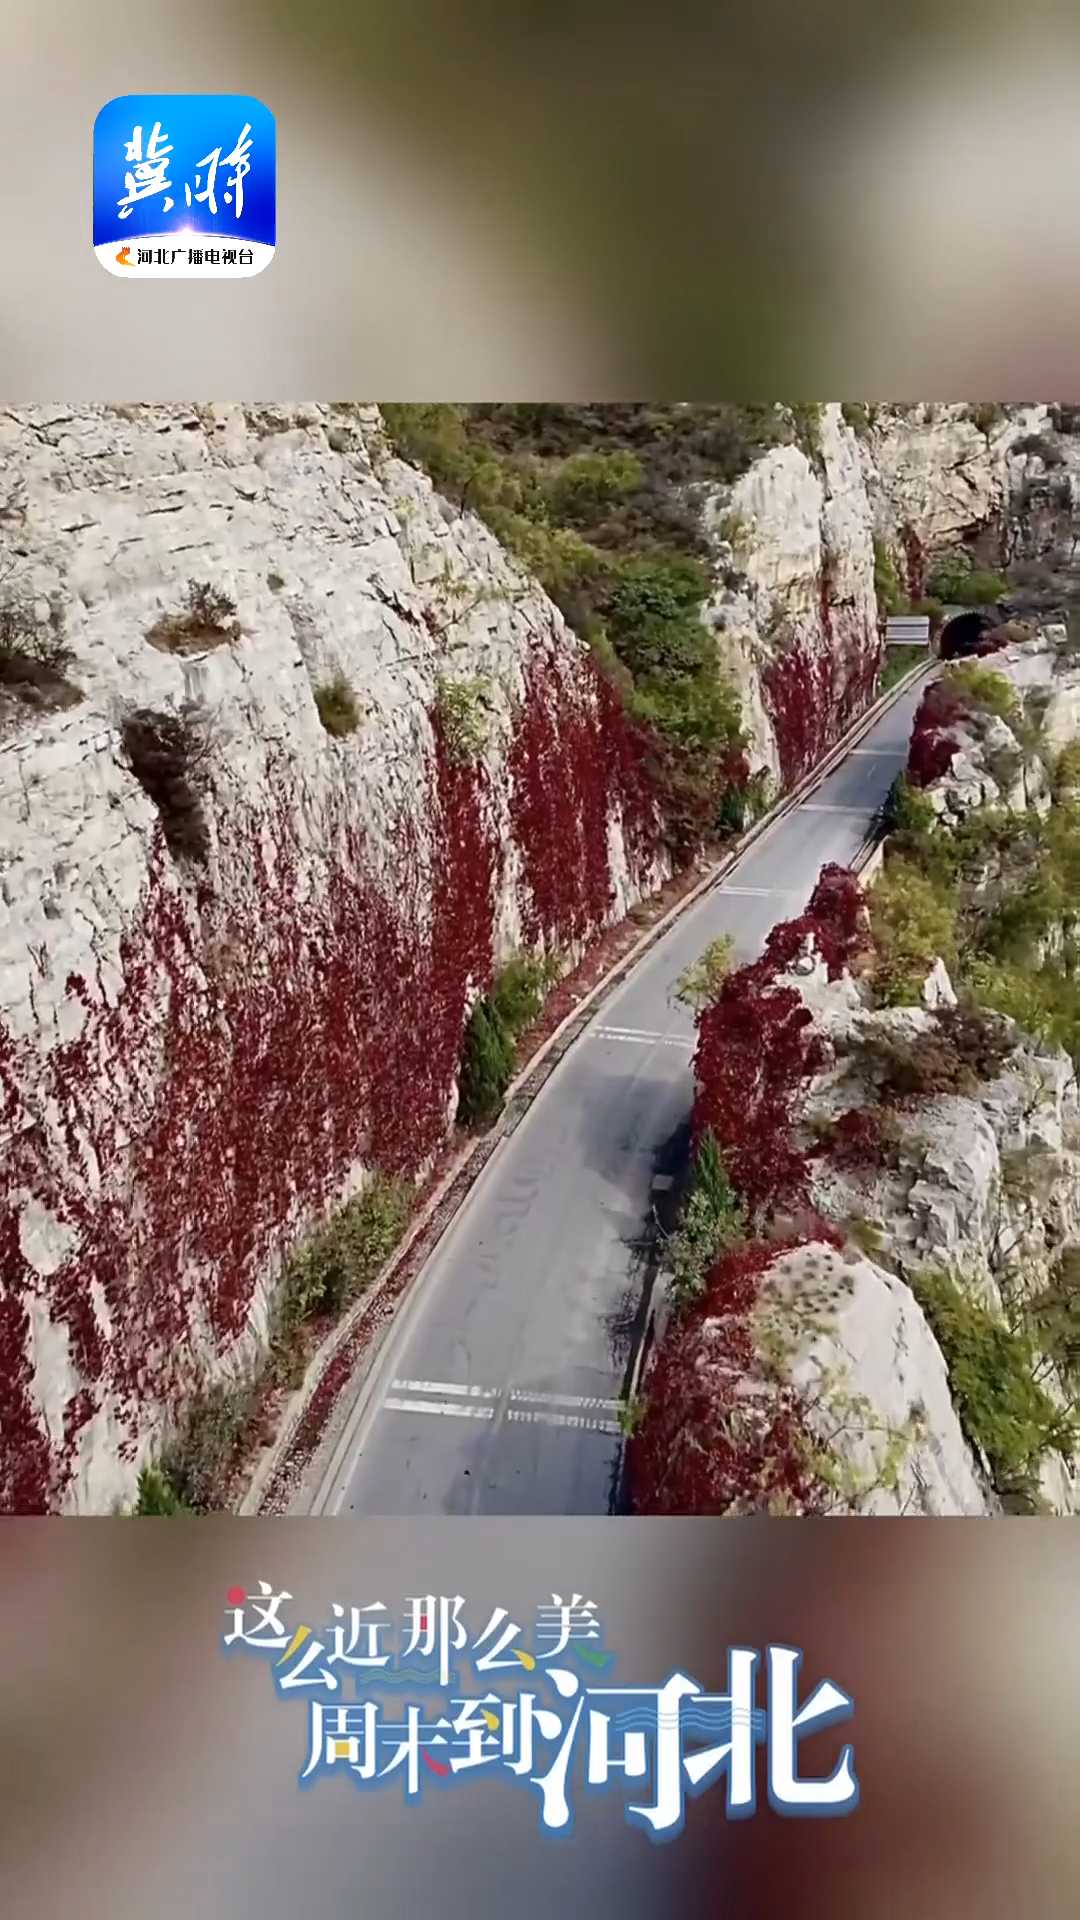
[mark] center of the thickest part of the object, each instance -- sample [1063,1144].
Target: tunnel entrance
[961,635]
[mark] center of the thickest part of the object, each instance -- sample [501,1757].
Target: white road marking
[578,1420]
[444,1386]
[764,893]
[641,1039]
[463,1409]
[826,807]
[521,1404]
[563,1399]
[878,753]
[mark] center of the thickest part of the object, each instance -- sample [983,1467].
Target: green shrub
[1054,1316]
[337,706]
[1001,1407]
[983,690]
[898,662]
[949,577]
[207,619]
[587,483]
[462,710]
[338,1262]
[807,417]
[908,810]
[494,1025]
[933,610]
[913,921]
[1067,770]
[157,1496]
[653,616]
[1044,1001]
[487,1067]
[857,415]
[891,596]
[597,502]
[956,581]
[711,1220]
[200,1464]
[700,983]
[518,994]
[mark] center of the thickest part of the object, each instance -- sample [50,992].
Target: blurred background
[568,202]
[143,1773]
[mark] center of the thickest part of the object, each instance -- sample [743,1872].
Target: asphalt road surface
[497,1389]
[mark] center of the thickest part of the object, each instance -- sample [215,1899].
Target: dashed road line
[444,1386]
[579,1421]
[638,1037]
[563,1399]
[525,1406]
[765,893]
[460,1409]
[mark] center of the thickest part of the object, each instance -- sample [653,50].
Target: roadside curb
[519,1097]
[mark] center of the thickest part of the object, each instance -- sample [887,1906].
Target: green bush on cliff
[496,1021]
[598,503]
[712,1219]
[1002,1408]
[984,690]
[157,1497]
[913,920]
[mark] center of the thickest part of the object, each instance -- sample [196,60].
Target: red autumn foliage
[757,1051]
[261,1043]
[933,742]
[755,1054]
[704,1446]
[836,921]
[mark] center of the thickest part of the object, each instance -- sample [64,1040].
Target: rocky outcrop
[797,618]
[984,1184]
[794,540]
[251,877]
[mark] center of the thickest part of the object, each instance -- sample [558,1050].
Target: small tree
[699,984]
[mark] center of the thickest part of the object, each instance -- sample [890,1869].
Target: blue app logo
[185,186]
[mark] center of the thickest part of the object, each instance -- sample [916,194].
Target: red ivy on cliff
[934,745]
[264,1043]
[757,1050]
[705,1446]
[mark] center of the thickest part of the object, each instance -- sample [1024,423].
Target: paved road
[496,1391]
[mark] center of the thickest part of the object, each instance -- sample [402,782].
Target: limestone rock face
[985,1186]
[237,949]
[797,611]
[932,470]
[873,1376]
[794,545]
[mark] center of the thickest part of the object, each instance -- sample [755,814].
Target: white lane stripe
[563,1399]
[461,1408]
[525,1406]
[578,1420]
[764,893]
[445,1386]
[863,813]
[879,753]
[643,1039]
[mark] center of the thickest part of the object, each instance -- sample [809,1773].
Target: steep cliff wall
[236,948]
[795,607]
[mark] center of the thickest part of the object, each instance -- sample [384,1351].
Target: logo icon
[185,186]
